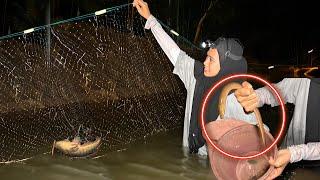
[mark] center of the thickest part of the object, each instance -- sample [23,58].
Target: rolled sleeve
[310,151]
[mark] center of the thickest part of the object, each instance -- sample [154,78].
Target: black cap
[228,48]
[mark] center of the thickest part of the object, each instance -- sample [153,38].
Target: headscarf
[231,62]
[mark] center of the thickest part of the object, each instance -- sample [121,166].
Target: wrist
[151,21]
[147,16]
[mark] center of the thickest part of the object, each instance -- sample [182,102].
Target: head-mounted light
[208,44]
[211,44]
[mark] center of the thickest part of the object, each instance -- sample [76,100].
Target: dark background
[272,31]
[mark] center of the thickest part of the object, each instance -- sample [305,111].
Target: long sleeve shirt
[296,91]
[184,68]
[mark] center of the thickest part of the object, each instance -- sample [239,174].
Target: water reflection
[158,157]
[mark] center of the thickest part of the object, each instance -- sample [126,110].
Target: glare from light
[308,71]
[270,67]
[28,31]
[103,11]
[310,51]
[203,45]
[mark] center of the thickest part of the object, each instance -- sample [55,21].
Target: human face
[211,63]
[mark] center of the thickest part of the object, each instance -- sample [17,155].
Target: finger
[251,107]
[240,99]
[280,162]
[271,161]
[246,84]
[269,177]
[250,97]
[246,102]
[242,92]
[136,3]
[276,172]
[141,3]
[139,8]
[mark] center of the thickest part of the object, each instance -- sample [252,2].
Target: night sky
[273,31]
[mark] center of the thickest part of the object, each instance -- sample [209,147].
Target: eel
[222,106]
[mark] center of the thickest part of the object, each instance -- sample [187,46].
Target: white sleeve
[310,151]
[184,68]
[235,111]
[167,44]
[287,88]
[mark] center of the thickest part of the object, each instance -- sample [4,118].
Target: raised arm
[167,44]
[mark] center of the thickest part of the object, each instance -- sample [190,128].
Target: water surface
[157,157]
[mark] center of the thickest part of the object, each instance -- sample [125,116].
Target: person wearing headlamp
[302,137]
[224,58]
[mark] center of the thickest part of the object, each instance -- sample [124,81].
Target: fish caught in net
[104,73]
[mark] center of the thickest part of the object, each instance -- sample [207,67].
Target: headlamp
[207,44]
[211,44]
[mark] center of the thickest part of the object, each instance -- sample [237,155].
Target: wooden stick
[52,151]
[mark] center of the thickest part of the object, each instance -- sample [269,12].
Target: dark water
[157,157]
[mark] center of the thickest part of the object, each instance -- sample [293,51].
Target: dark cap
[228,48]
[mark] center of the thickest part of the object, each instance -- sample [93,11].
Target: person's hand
[73,147]
[247,97]
[283,158]
[142,8]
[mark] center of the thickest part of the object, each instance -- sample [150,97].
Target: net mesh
[101,73]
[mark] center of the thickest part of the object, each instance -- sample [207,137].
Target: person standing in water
[302,140]
[224,58]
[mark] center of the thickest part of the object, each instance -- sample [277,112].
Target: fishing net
[102,73]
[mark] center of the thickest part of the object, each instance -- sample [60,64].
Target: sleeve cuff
[151,22]
[297,153]
[260,96]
